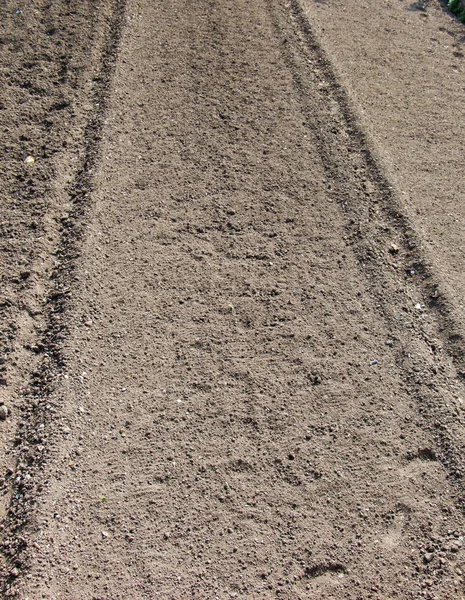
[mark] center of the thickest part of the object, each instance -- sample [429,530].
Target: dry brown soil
[403,65]
[232,326]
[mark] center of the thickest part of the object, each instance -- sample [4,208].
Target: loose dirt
[403,66]
[248,380]
[50,67]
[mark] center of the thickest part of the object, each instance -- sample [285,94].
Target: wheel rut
[254,396]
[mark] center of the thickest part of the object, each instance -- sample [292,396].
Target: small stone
[104,534]
[428,557]
[394,249]
[3,412]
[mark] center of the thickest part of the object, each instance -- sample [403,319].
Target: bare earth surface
[233,360]
[403,64]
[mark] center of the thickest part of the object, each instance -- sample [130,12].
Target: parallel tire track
[244,400]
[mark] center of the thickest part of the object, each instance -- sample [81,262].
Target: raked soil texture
[232,356]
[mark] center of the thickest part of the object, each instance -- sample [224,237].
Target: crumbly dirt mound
[246,387]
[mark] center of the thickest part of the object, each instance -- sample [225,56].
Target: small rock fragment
[453,547]
[3,412]
[428,557]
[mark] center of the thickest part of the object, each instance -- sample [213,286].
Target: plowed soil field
[232,300]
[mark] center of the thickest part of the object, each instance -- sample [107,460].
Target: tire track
[32,444]
[238,413]
[386,244]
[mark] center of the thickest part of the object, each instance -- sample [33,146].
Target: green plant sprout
[458,8]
